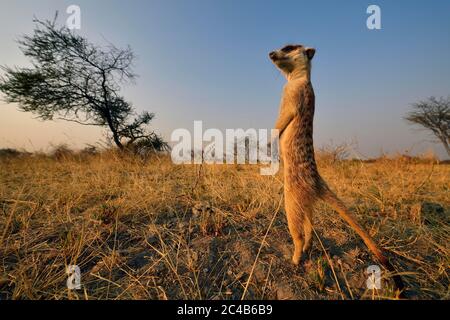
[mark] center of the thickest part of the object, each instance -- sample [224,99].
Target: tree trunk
[107,114]
[446,146]
[116,138]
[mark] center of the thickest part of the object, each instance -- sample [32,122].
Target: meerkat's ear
[310,53]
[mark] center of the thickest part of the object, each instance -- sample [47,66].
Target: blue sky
[207,60]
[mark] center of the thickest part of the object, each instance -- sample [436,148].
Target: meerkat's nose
[272,55]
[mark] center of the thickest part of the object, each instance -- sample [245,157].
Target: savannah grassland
[147,229]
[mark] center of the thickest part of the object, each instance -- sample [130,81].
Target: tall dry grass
[147,229]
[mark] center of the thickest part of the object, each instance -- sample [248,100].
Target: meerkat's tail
[339,206]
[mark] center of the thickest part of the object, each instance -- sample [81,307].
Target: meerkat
[303,185]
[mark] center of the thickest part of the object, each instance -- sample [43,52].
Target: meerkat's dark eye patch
[289,48]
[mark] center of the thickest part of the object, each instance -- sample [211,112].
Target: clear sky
[207,60]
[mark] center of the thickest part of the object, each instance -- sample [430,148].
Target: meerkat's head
[293,60]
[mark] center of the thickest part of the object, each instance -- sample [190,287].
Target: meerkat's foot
[296,260]
[297,256]
[306,248]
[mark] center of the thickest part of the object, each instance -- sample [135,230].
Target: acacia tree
[434,115]
[74,80]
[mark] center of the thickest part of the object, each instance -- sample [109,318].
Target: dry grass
[151,230]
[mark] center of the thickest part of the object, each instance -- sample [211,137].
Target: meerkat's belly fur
[298,148]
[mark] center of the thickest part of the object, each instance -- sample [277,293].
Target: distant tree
[434,115]
[74,80]
[12,153]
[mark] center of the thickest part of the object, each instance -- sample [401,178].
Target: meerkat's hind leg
[297,237]
[295,224]
[307,230]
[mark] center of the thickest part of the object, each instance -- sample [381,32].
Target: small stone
[284,291]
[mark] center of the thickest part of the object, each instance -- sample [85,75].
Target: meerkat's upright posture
[303,185]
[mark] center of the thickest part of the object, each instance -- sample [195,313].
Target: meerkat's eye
[288,48]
